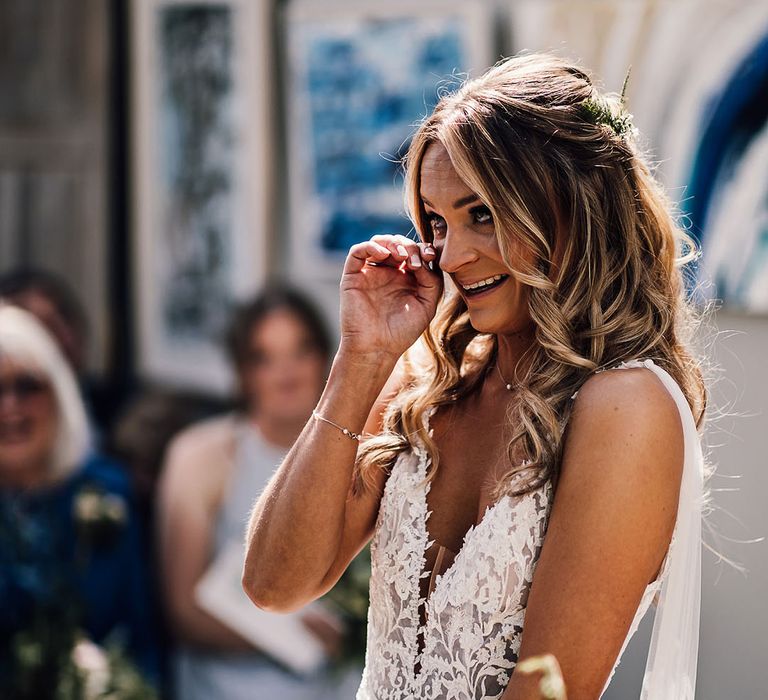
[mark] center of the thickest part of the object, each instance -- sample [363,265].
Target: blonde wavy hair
[519,138]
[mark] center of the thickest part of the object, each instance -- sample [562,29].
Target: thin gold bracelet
[346,431]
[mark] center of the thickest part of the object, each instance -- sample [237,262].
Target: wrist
[378,361]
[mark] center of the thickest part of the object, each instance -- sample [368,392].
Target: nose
[455,251]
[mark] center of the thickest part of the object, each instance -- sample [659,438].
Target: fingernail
[415,260]
[429,250]
[402,251]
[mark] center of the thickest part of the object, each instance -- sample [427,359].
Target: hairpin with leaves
[598,111]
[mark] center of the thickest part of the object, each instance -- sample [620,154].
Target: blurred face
[467,248]
[284,374]
[28,422]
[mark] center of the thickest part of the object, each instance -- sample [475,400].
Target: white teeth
[483,283]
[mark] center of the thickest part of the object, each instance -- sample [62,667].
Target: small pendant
[509,387]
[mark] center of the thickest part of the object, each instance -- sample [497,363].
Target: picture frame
[201,98]
[359,77]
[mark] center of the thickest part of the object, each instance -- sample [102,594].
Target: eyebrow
[458,204]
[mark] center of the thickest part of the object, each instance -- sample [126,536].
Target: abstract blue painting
[728,203]
[359,84]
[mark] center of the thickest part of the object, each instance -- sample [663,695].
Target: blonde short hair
[25,341]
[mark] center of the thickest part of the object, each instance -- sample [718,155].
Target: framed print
[201,142]
[359,78]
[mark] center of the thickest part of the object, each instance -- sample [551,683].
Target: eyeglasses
[23,387]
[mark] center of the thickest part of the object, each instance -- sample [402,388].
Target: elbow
[181,624]
[270,597]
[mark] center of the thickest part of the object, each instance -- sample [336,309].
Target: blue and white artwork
[728,202]
[196,164]
[359,84]
[201,100]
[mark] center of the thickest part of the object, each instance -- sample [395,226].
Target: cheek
[312,370]
[254,380]
[49,421]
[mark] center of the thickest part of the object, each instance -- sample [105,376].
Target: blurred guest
[70,554]
[280,349]
[55,304]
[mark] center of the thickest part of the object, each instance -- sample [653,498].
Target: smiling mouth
[484,289]
[15,431]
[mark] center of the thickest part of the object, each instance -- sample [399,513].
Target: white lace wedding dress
[475,601]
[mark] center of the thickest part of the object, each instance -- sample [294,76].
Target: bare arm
[609,529]
[303,529]
[306,527]
[186,508]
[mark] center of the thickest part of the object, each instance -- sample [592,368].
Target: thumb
[430,282]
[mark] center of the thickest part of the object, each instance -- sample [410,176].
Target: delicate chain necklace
[506,383]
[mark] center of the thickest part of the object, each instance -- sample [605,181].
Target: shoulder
[212,438]
[626,420]
[626,397]
[198,458]
[610,525]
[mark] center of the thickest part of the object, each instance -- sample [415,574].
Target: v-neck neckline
[427,542]
[427,539]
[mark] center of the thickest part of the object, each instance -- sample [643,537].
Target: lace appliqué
[476,611]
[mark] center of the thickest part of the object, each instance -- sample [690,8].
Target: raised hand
[388,295]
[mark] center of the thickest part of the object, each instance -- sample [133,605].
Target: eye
[436,223]
[481,215]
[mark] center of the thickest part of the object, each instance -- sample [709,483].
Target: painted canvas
[196,164]
[360,78]
[200,172]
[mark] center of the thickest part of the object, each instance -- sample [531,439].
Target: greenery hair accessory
[598,111]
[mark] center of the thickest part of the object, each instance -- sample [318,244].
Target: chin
[13,463]
[485,323]
[294,413]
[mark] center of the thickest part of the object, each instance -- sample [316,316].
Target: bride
[519,498]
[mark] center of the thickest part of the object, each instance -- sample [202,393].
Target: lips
[15,430]
[486,289]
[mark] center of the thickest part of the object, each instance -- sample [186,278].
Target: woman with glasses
[70,559]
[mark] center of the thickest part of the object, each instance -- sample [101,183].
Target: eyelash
[476,212]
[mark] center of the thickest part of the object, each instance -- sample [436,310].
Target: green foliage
[45,667]
[598,111]
[41,660]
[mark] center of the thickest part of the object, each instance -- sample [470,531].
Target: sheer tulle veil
[670,672]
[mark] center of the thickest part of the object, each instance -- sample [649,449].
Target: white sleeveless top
[475,610]
[202,674]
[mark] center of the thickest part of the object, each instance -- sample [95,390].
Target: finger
[428,254]
[396,244]
[360,253]
[410,251]
[427,280]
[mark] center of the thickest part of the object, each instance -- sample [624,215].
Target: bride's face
[464,236]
